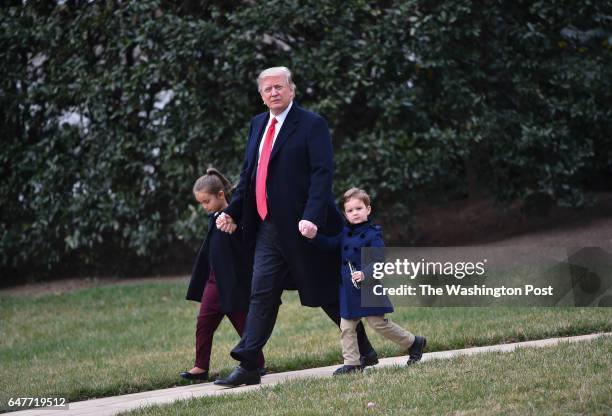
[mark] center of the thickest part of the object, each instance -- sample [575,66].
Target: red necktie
[262,172]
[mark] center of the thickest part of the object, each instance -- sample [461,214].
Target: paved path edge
[108,406]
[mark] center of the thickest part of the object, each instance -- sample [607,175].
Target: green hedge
[427,101]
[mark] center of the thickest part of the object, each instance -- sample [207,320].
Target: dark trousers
[209,318]
[269,271]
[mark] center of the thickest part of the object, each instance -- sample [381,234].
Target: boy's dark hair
[213,182]
[356,193]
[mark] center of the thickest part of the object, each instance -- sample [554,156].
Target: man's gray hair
[274,72]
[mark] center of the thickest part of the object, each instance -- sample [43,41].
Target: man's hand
[226,223]
[307,229]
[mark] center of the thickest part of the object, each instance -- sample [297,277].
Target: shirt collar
[282,116]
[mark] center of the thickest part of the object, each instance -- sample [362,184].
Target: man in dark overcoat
[284,197]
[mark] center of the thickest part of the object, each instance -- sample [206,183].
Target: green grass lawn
[127,338]
[567,379]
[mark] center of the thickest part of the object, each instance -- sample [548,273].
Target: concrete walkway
[114,405]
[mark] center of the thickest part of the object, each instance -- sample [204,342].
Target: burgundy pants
[209,318]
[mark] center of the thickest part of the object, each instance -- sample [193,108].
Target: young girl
[221,278]
[360,233]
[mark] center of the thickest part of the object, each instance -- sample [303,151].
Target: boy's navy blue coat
[299,183]
[350,242]
[232,265]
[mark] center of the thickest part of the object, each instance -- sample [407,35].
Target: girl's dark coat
[232,264]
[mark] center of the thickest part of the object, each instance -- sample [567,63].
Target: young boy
[357,234]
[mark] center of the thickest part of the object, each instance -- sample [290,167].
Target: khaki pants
[386,328]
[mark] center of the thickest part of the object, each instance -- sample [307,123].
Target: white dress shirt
[280,119]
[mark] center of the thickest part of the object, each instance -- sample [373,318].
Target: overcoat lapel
[260,126]
[286,131]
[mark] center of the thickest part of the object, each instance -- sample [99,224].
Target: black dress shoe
[240,376]
[190,376]
[369,359]
[262,371]
[347,369]
[416,350]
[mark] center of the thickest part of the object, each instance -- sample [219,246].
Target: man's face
[276,93]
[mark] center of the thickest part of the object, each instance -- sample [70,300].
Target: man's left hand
[307,229]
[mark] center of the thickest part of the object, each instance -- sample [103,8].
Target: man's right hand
[226,223]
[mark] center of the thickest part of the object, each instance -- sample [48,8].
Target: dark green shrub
[427,101]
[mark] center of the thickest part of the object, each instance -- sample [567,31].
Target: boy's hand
[358,277]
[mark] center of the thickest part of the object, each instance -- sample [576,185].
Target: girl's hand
[358,277]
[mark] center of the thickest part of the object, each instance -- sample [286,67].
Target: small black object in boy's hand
[353,270]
